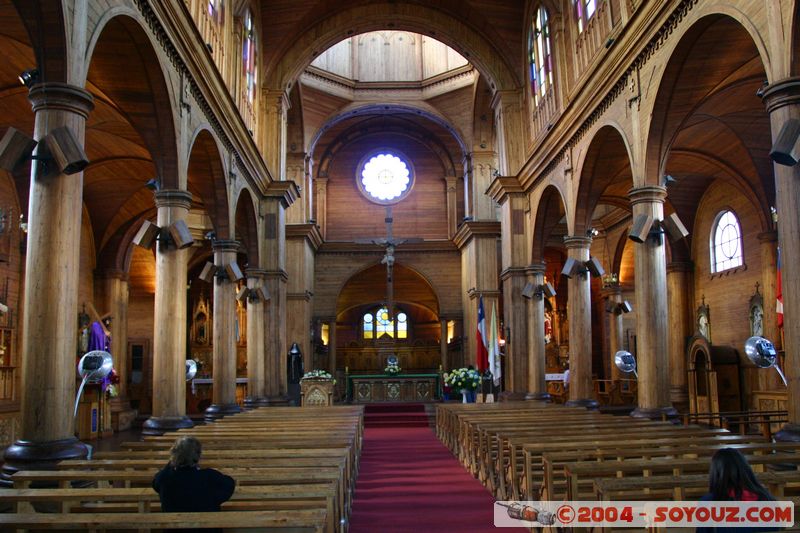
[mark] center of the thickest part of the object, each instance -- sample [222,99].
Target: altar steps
[396,415]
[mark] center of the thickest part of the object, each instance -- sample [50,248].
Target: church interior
[308,220]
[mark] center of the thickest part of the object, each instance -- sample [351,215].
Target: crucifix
[389,243]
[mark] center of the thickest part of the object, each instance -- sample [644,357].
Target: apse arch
[206,180]
[607,163]
[245,226]
[138,87]
[417,18]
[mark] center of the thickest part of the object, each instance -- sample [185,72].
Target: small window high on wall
[249,56]
[375,325]
[584,10]
[726,242]
[216,11]
[539,56]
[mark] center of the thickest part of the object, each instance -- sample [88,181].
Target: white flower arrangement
[317,374]
[393,369]
[464,379]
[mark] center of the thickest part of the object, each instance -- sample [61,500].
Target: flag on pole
[494,349]
[483,353]
[779,293]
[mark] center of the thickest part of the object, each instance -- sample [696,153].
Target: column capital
[225,245]
[61,96]
[536,268]
[768,236]
[173,198]
[256,273]
[284,191]
[513,272]
[280,275]
[577,242]
[651,194]
[782,93]
[680,266]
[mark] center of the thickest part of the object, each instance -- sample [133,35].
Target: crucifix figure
[390,244]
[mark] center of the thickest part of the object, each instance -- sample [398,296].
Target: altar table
[376,388]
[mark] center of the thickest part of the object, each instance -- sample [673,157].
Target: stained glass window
[584,10]
[369,326]
[385,177]
[726,242]
[249,56]
[216,11]
[540,58]
[402,326]
[385,326]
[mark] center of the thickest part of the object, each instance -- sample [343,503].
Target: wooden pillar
[679,298]
[276,105]
[537,362]
[320,206]
[579,312]
[782,99]
[224,335]
[169,318]
[51,291]
[443,342]
[613,294]
[451,182]
[650,271]
[770,380]
[276,348]
[332,345]
[256,376]
[479,167]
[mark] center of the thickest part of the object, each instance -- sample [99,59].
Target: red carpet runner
[409,482]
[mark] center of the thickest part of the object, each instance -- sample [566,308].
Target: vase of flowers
[465,380]
[392,369]
[318,375]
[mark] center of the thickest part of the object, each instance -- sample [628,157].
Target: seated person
[185,487]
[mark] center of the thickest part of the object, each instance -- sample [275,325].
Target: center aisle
[408,481]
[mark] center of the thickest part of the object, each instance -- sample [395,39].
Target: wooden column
[275,106]
[113,285]
[320,206]
[276,348]
[224,335]
[51,291]
[443,343]
[782,99]
[256,376]
[537,387]
[650,272]
[679,291]
[579,312]
[451,182]
[479,167]
[169,318]
[613,294]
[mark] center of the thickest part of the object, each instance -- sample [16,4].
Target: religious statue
[757,314]
[703,323]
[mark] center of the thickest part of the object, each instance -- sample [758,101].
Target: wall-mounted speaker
[180,234]
[786,149]
[528,290]
[642,224]
[208,272]
[66,151]
[147,235]
[674,227]
[571,267]
[625,307]
[548,290]
[15,149]
[234,272]
[595,268]
[242,295]
[263,294]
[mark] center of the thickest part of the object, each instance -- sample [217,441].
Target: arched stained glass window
[369,326]
[385,326]
[402,326]
[249,55]
[540,58]
[216,11]
[584,10]
[726,242]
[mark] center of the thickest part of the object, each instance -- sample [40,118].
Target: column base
[656,413]
[588,403]
[538,396]
[253,403]
[217,411]
[788,433]
[27,455]
[158,425]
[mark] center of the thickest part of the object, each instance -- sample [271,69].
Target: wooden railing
[544,113]
[742,422]
[593,37]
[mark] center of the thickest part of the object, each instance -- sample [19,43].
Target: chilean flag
[779,293]
[483,352]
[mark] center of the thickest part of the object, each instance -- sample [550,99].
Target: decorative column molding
[782,100]
[679,291]
[274,109]
[479,170]
[508,115]
[169,335]
[256,376]
[50,305]
[537,361]
[650,274]
[443,343]
[296,172]
[451,183]
[320,206]
[579,311]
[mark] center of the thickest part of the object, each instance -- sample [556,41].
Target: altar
[376,388]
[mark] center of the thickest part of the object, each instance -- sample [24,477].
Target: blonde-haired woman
[185,487]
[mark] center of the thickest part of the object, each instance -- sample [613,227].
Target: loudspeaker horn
[263,294]
[786,149]
[625,307]
[234,272]
[528,290]
[66,151]
[242,295]
[595,267]
[15,148]
[571,267]
[147,235]
[642,225]
[181,235]
[674,227]
[548,290]
[208,272]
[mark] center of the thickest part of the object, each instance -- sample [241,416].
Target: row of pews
[295,471]
[539,451]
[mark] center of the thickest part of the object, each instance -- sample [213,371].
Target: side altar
[376,388]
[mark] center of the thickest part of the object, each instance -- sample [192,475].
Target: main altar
[376,388]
